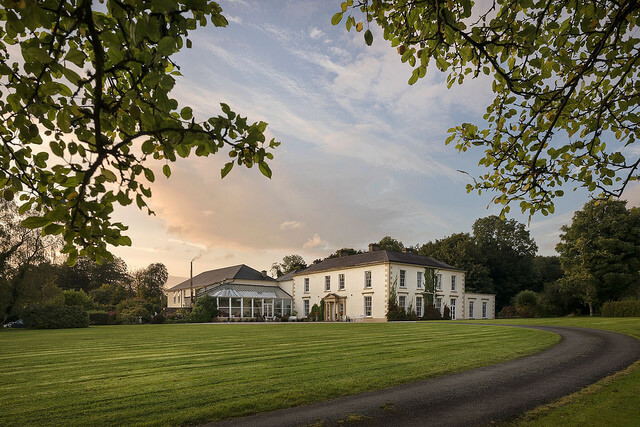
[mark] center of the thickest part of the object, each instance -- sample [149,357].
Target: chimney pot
[373,247]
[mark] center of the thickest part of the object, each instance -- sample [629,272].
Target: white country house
[353,287]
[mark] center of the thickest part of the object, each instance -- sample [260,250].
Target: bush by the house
[99,318]
[625,308]
[431,313]
[446,313]
[204,310]
[56,316]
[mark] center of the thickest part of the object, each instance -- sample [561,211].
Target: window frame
[402,302]
[403,278]
[471,309]
[306,307]
[368,298]
[453,283]
[327,283]
[341,282]
[367,279]
[419,306]
[484,309]
[306,285]
[439,282]
[419,279]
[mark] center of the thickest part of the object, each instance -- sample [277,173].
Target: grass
[612,401]
[183,374]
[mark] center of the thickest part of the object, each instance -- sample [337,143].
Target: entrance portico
[335,307]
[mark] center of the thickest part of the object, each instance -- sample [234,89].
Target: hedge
[625,308]
[56,316]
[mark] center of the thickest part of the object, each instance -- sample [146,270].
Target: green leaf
[109,175]
[166,170]
[226,169]
[53,229]
[35,222]
[264,168]
[166,45]
[186,113]
[335,19]
[368,37]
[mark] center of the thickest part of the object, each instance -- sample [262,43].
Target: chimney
[373,247]
[264,273]
[341,253]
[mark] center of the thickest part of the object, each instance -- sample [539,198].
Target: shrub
[73,297]
[431,313]
[56,316]
[625,308]
[508,312]
[134,315]
[446,313]
[205,309]
[99,318]
[129,311]
[527,303]
[158,318]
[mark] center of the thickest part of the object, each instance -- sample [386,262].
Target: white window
[484,309]
[306,307]
[402,301]
[367,279]
[367,306]
[453,283]
[419,307]
[403,273]
[341,309]
[327,283]
[439,282]
[306,285]
[439,304]
[174,297]
[419,279]
[453,308]
[470,309]
[340,281]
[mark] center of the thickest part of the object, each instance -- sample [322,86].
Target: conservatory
[250,301]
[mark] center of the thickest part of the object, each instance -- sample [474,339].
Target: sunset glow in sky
[362,154]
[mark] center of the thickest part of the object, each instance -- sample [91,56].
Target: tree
[564,78]
[88,275]
[344,252]
[509,251]
[388,243]
[289,263]
[95,86]
[149,282]
[204,309]
[22,252]
[461,250]
[600,252]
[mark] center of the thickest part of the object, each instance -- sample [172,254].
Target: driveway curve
[475,397]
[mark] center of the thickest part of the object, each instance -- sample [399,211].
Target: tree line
[598,261]
[34,273]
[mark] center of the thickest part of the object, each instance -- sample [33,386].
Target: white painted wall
[354,290]
[478,300]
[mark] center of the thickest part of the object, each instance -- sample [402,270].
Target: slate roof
[375,258]
[289,275]
[236,272]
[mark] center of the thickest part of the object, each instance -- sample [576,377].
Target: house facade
[353,288]
[357,287]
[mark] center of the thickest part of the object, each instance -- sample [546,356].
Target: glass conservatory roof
[247,291]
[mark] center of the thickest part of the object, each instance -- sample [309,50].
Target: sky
[362,153]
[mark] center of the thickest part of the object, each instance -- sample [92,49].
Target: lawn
[612,401]
[182,374]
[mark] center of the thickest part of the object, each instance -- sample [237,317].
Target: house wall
[411,291]
[354,290]
[478,300]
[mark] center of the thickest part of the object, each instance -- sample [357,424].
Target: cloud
[315,242]
[316,33]
[183,242]
[290,225]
